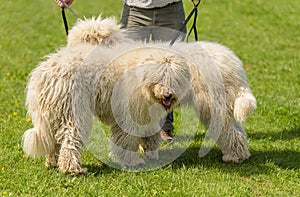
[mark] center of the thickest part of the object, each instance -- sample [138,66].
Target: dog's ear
[147,91]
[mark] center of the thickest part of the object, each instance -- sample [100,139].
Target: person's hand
[60,4]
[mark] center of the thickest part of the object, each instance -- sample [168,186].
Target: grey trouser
[153,24]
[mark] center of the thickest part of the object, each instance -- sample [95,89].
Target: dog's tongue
[167,102]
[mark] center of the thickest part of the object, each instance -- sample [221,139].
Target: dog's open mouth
[165,96]
[167,103]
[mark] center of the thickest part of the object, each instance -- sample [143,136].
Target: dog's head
[151,82]
[96,31]
[149,79]
[164,95]
[165,82]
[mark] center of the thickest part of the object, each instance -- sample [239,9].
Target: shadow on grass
[260,162]
[100,169]
[280,135]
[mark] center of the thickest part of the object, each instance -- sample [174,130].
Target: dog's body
[131,86]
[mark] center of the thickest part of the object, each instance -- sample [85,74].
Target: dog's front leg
[150,145]
[124,147]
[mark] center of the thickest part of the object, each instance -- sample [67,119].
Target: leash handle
[65,21]
[68,7]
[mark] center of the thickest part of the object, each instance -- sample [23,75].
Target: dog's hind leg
[233,143]
[52,158]
[233,139]
[150,145]
[70,152]
[124,147]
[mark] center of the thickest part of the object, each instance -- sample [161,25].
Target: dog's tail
[244,105]
[37,143]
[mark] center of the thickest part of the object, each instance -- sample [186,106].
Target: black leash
[193,12]
[64,15]
[194,26]
[65,21]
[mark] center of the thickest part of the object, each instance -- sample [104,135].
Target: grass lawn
[264,34]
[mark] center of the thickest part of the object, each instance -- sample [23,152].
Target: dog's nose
[168,96]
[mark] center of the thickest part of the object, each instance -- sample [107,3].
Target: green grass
[264,34]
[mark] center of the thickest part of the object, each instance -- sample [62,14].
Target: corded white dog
[131,86]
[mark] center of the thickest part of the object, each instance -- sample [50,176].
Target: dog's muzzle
[167,100]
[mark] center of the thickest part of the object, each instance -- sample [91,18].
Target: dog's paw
[152,154]
[135,162]
[229,158]
[78,171]
[74,170]
[69,162]
[131,159]
[51,161]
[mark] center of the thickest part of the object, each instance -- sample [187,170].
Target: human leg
[167,128]
[168,21]
[138,22]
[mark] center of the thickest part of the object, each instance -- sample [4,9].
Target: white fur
[100,65]
[96,31]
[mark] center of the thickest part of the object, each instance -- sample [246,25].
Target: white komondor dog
[131,86]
